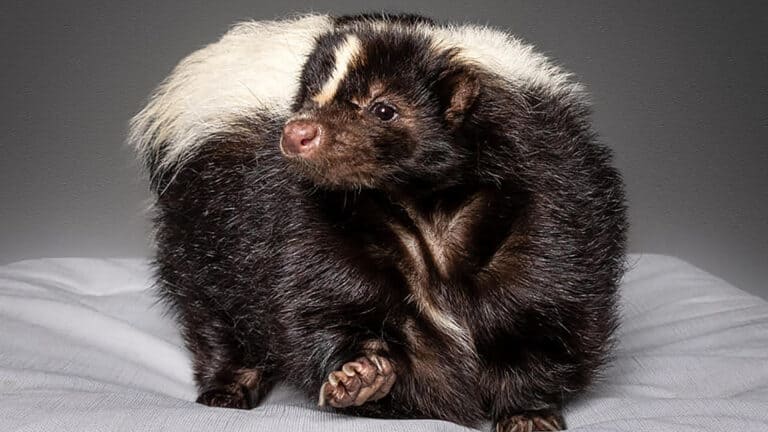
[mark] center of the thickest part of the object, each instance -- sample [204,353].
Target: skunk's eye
[384,112]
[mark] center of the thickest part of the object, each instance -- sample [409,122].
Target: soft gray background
[679,90]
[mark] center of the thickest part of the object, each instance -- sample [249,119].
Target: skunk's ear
[458,90]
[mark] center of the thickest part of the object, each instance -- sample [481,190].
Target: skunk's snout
[300,137]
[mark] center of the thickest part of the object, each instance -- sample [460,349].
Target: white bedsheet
[84,347]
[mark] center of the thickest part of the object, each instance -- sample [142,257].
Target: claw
[377,361]
[349,369]
[321,398]
[548,426]
[333,380]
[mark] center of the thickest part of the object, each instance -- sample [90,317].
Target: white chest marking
[443,236]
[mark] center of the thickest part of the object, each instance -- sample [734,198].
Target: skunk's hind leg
[228,374]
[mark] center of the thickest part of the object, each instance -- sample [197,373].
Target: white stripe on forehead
[345,54]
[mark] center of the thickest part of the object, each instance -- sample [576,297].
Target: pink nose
[300,137]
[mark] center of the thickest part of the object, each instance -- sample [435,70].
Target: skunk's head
[380,108]
[371,100]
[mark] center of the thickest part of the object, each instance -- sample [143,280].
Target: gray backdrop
[679,90]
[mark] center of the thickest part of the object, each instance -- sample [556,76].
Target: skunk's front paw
[366,379]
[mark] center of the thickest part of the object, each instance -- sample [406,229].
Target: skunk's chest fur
[434,248]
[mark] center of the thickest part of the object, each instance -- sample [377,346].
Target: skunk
[402,218]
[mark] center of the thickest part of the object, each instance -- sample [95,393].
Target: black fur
[283,270]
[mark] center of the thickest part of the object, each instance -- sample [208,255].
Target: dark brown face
[356,142]
[373,116]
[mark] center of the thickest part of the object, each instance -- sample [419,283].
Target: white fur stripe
[418,281]
[254,67]
[502,54]
[345,54]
